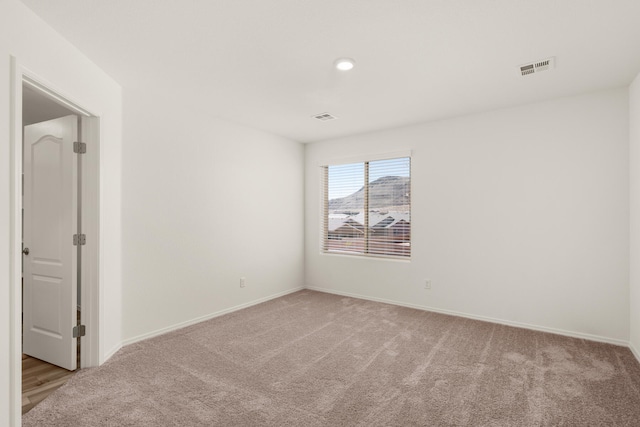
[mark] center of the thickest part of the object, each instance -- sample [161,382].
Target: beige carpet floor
[315,359]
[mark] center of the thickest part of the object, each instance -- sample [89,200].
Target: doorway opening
[58,281]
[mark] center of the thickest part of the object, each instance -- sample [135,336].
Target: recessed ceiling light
[344,64]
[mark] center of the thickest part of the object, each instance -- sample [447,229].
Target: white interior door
[50,221]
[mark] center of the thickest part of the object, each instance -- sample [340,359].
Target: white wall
[634,163]
[519,215]
[205,202]
[45,53]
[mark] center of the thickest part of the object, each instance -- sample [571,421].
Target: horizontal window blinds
[367,208]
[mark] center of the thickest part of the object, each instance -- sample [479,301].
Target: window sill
[404,260]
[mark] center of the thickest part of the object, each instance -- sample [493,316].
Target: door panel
[50,221]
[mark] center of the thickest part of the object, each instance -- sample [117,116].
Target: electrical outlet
[243,282]
[427,284]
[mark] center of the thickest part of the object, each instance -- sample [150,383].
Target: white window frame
[324,222]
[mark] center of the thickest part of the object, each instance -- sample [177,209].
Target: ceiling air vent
[538,66]
[323,117]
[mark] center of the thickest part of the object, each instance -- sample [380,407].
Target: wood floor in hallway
[39,380]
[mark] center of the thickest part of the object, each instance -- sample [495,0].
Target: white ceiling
[269,63]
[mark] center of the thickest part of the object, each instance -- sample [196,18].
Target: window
[367,208]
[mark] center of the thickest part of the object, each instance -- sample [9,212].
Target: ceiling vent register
[538,66]
[323,117]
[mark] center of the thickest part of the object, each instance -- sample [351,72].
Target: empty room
[336,213]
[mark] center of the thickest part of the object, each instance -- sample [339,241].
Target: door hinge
[79,147]
[79,239]
[79,331]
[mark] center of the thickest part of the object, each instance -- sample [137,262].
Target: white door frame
[90,286]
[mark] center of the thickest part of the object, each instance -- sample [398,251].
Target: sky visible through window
[345,180]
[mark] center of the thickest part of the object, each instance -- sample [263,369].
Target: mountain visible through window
[367,208]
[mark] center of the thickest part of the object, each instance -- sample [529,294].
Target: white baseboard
[206,317]
[111,352]
[635,351]
[483,318]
